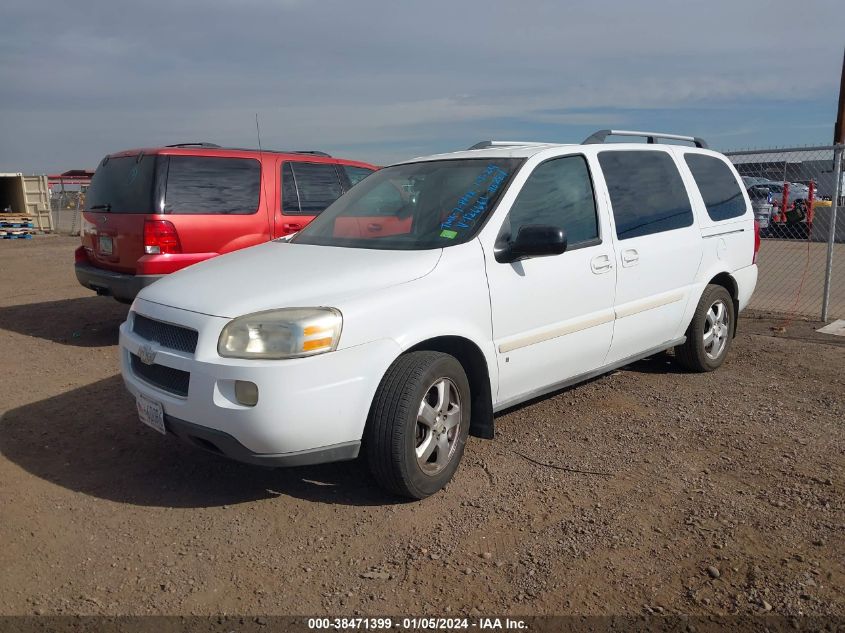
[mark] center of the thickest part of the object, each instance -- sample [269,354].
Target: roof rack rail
[206,145]
[313,152]
[601,135]
[486,144]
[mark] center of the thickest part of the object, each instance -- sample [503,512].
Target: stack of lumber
[14,227]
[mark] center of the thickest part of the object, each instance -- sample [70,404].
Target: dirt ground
[716,494]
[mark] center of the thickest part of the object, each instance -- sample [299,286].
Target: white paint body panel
[552,316]
[654,282]
[277,274]
[652,291]
[537,322]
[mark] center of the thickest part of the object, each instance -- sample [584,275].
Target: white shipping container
[26,195]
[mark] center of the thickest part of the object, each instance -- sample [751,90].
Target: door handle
[374,227]
[601,264]
[290,227]
[630,257]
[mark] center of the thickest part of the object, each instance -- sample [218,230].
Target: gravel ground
[706,494]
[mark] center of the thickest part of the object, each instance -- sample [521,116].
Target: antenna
[270,208]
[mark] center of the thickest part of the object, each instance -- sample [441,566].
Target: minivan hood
[280,274]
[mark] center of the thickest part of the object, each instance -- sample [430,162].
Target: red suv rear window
[123,184]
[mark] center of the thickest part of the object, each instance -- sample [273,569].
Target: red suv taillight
[756,241]
[80,256]
[160,236]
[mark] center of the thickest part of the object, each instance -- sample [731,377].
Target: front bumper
[309,410]
[121,286]
[224,444]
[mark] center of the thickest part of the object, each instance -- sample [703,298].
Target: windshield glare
[414,206]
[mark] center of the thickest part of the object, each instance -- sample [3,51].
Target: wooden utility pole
[839,129]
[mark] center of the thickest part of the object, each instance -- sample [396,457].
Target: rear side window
[646,192]
[356,174]
[290,199]
[558,193]
[207,185]
[718,186]
[123,184]
[308,188]
[384,200]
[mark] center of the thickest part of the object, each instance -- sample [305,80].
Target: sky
[386,81]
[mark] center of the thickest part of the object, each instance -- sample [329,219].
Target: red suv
[150,212]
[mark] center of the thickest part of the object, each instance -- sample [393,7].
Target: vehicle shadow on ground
[83,322]
[662,363]
[89,440]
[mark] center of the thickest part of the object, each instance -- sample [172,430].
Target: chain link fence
[66,207]
[795,193]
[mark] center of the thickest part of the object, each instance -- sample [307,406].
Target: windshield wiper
[105,207]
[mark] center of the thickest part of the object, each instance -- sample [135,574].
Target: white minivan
[439,291]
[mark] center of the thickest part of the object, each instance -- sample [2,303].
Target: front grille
[174,381]
[165,334]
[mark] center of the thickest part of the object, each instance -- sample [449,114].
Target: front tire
[418,424]
[710,333]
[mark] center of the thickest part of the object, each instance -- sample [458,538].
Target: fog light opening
[246,393]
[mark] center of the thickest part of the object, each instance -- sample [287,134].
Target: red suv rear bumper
[108,283]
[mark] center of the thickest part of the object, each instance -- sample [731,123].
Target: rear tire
[418,424]
[710,332]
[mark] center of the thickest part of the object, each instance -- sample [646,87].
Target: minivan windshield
[414,206]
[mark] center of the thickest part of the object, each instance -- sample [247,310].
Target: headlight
[284,333]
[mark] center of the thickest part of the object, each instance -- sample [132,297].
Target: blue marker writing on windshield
[460,217]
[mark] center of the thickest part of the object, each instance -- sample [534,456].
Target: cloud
[388,79]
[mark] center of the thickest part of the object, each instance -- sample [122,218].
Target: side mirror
[534,240]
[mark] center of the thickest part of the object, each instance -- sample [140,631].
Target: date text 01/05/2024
[460,218]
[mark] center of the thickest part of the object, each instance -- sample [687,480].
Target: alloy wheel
[438,426]
[716,330]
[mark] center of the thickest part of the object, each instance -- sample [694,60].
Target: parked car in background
[805,187]
[760,193]
[761,202]
[150,212]
[502,273]
[797,191]
[751,181]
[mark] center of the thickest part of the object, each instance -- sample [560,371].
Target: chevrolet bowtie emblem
[147,354]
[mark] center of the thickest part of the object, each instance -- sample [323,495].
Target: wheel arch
[727,281]
[470,356]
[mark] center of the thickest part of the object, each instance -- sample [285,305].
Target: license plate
[106,245]
[151,413]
